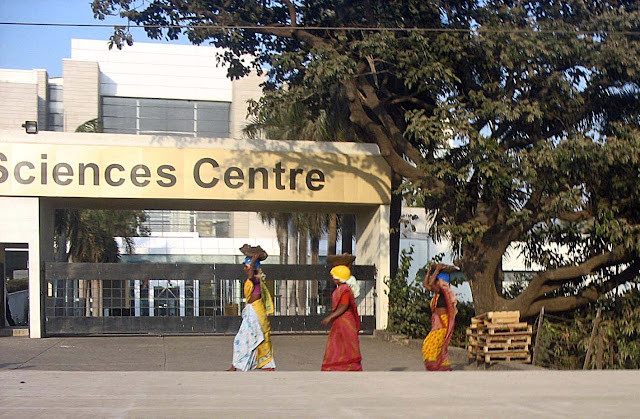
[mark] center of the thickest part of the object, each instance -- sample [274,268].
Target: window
[165,116]
[205,223]
[55,117]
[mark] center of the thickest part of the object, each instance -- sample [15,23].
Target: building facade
[148,89]
[173,98]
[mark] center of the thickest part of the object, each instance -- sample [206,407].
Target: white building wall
[81,95]
[157,70]
[18,98]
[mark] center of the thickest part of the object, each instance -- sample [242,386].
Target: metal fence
[83,298]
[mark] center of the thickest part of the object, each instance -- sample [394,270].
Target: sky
[44,47]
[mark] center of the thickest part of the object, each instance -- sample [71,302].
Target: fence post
[535,346]
[596,322]
[600,352]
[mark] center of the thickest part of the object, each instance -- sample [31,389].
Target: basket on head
[251,251]
[343,259]
[449,269]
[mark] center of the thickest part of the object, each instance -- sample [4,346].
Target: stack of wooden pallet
[499,336]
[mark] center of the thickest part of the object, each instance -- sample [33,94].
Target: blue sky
[29,47]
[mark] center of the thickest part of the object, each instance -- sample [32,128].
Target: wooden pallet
[503,329]
[500,339]
[499,336]
[496,317]
[496,347]
[523,357]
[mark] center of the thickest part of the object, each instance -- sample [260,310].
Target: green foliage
[409,302]
[410,309]
[564,341]
[92,125]
[90,233]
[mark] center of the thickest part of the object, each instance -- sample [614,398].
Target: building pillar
[43,99]
[81,94]
[21,225]
[244,89]
[46,254]
[372,248]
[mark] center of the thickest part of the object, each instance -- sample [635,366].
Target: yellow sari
[262,307]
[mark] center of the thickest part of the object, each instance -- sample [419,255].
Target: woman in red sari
[435,348]
[343,345]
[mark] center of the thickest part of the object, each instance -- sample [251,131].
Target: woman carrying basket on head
[252,345]
[343,346]
[435,348]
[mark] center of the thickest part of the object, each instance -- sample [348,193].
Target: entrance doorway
[15,285]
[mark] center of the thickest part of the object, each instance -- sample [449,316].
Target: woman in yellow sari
[435,348]
[252,345]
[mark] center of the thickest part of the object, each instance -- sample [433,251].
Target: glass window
[120,125]
[205,223]
[166,116]
[55,117]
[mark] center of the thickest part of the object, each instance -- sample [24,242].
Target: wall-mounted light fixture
[30,127]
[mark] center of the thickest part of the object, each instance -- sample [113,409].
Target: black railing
[88,298]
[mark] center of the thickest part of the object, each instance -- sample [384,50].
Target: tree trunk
[313,285]
[332,236]
[87,297]
[301,286]
[498,281]
[315,250]
[395,212]
[283,241]
[303,245]
[348,229]
[292,306]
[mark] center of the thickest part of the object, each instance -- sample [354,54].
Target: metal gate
[161,298]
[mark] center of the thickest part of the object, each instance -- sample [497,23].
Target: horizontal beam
[187,271]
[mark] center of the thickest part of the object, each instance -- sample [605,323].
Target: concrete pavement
[183,376]
[191,353]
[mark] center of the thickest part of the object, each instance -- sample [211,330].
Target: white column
[372,248]
[40,254]
[21,225]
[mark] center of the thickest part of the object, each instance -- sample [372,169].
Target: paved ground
[189,353]
[184,376]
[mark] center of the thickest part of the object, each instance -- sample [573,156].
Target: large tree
[513,122]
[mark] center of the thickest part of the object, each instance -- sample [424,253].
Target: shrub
[564,340]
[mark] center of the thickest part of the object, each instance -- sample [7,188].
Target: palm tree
[281,221]
[84,235]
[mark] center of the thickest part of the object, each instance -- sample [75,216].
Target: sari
[252,345]
[342,352]
[435,348]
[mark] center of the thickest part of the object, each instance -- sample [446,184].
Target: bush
[564,340]
[409,306]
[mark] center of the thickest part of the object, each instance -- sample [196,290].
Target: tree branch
[538,285]
[292,13]
[373,103]
[588,295]
[576,216]
[375,131]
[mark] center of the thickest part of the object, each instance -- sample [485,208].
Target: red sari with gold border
[343,345]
